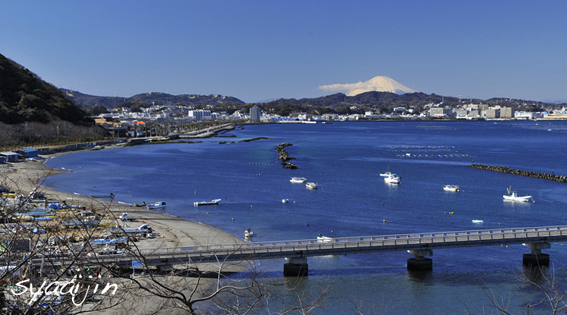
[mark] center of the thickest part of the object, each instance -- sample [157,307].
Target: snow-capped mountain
[378,84]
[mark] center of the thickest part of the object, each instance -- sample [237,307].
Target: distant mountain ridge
[378,99]
[151,98]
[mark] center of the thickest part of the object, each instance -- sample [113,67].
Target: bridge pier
[536,257]
[297,267]
[419,262]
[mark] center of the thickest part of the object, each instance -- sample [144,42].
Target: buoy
[163,236]
[451,212]
[383,221]
[232,219]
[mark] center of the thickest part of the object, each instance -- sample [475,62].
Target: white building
[200,114]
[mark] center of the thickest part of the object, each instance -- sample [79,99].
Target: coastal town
[125,121]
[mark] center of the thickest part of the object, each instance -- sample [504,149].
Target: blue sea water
[346,160]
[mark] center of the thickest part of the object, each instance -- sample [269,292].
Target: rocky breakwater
[284,157]
[503,169]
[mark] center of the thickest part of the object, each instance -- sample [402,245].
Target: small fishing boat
[298,180]
[391,178]
[324,239]
[478,221]
[109,196]
[206,203]
[248,233]
[310,185]
[285,200]
[513,196]
[453,188]
[156,205]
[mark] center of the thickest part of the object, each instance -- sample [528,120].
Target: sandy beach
[26,176]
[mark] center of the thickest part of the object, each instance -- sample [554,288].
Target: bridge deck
[335,246]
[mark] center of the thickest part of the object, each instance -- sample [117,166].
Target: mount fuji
[377,84]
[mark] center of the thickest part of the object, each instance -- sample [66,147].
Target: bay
[346,159]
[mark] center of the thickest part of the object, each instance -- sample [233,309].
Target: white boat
[248,233]
[311,185]
[388,173]
[285,200]
[206,203]
[478,221]
[324,239]
[298,180]
[513,196]
[454,188]
[391,178]
[156,205]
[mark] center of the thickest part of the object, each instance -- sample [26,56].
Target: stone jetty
[284,157]
[503,169]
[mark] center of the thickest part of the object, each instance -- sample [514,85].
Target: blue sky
[260,50]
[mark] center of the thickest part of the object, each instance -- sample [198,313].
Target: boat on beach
[454,188]
[109,196]
[513,196]
[298,180]
[156,205]
[206,203]
[311,186]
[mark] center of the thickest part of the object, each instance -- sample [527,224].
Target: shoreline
[173,231]
[27,176]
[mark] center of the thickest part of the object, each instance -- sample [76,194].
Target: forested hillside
[24,97]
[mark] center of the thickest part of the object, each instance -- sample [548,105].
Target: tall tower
[255,113]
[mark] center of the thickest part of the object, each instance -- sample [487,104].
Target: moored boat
[298,180]
[454,188]
[311,185]
[156,205]
[206,203]
[391,178]
[248,233]
[324,239]
[513,196]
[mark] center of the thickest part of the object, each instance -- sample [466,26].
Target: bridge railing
[366,241]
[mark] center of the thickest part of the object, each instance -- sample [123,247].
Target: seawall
[503,169]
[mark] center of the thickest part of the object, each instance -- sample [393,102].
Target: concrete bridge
[296,251]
